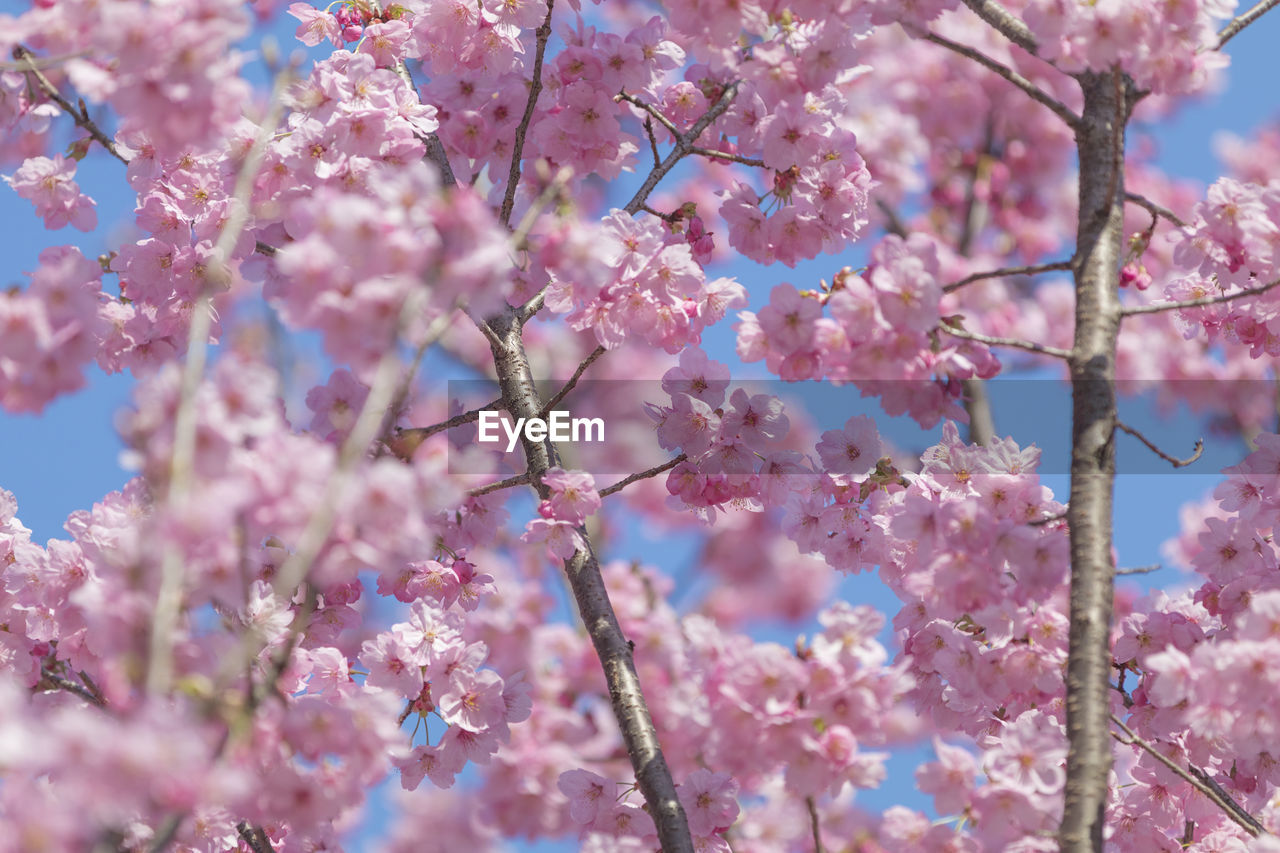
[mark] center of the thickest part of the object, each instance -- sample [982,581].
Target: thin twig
[517,480]
[1033,269]
[642,475]
[1157,211]
[813,823]
[553,190]
[411,437]
[730,158]
[653,142]
[543,35]
[1245,820]
[573,380]
[1050,519]
[1005,22]
[653,111]
[1172,460]
[893,223]
[1140,570]
[1232,29]
[1014,343]
[27,63]
[1059,109]
[57,681]
[1157,307]
[684,144]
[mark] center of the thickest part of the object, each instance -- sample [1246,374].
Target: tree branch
[27,63]
[543,34]
[1157,211]
[1014,343]
[1232,29]
[642,475]
[1156,307]
[573,380]
[1172,460]
[405,441]
[1100,227]
[517,480]
[1072,120]
[1033,269]
[435,148]
[1005,22]
[653,777]
[1197,779]
[254,837]
[814,825]
[52,680]
[684,145]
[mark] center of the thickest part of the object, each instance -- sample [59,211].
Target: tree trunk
[1100,141]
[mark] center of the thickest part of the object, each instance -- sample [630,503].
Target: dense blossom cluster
[301,593]
[882,334]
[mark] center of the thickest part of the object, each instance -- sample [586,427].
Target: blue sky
[67,458]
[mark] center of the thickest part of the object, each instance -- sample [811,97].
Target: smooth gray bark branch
[1099,255]
[1009,25]
[1233,29]
[520,397]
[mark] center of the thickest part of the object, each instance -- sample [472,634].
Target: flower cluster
[50,331]
[881,334]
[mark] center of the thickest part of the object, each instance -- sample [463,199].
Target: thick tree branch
[1172,460]
[435,148]
[543,35]
[520,396]
[1005,22]
[28,63]
[1037,94]
[642,475]
[1232,29]
[1099,253]
[1156,307]
[254,837]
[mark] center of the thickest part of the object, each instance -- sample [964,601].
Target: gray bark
[520,398]
[1099,254]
